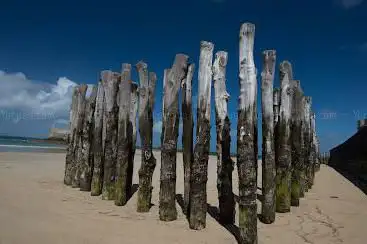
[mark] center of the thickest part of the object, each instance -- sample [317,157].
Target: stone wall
[350,158]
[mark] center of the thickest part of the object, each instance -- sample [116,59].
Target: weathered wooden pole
[165,78]
[98,167]
[307,140]
[199,168]
[167,193]
[276,107]
[268,154]
[123,137]
[313,156]
[283,165]
[110,81]
[223,128]
[146,92]
[187,133]
[297,143]
[246,137]
[132,146]
[70,152]
[303,176]
[86,166]
[79,135]
[318,155]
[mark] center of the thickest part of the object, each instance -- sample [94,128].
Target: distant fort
[58,134]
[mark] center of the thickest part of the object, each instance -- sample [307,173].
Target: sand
[35,207]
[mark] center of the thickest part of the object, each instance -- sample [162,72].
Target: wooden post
[110,81]
[296,143]
[70,153]
[307,140]
[132,148]
[283,177]
[86,166]
[187,134]
[303,177]
[246,137]
[276,107]
[268,154]
[199,169]
[79,134]
[97,178]
[165,78]
[223,128]
[123,136]
[146,133]
[317,152]
[167,193]
[313,160]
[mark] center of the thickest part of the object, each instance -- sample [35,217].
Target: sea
[25,144]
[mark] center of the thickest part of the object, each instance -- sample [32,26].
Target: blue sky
[47,47]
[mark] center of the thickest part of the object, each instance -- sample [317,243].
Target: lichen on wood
[98,167]
[187,133]
[247,137]
[123,137]
[86,167]
[268,154]
[223,129]
[110,81]
[146,92]
[283,164]
[167,193]
[199,169]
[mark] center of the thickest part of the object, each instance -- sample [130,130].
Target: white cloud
[32,97]
[157,127]
[348,4]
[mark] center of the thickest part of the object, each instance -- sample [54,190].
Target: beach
[36,207]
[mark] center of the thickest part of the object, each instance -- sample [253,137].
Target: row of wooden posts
[102,139]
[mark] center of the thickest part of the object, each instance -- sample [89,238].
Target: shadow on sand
[134,189]
[214,213]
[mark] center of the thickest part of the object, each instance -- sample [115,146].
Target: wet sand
[35,207]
